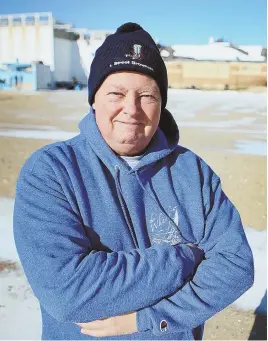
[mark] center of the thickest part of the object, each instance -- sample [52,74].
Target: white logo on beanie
[127,62]
[135,53]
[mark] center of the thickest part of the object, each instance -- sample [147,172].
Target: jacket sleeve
[224,275]
[73,282]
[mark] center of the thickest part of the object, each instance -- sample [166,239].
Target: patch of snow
[246,147]
[220,124]
[262,132]
[255,298]
[38,134]
[7,126]
[251,147]
[7,246]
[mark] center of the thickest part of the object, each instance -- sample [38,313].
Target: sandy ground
[227,129]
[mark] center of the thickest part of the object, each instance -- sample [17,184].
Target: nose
[131,105]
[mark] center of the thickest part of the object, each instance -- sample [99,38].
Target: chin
[130,149]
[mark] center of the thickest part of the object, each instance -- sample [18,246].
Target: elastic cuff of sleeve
[143,321]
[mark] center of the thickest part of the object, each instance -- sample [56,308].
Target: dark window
[16,21]
[43,19]
[30,20]
[3,21]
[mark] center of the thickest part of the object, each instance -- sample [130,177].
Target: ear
[93,105]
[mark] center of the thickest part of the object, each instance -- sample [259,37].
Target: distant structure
[89,41]
[38,37]
[218,50]
[211,40]
[18,76]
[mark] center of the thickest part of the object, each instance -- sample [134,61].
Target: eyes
[119,95]
[115,94]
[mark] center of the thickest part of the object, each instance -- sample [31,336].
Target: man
[122,232]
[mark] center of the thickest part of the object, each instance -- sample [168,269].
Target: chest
[155,208]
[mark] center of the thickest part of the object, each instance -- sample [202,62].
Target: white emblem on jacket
[164,229]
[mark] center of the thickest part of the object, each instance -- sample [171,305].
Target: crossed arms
[152,283]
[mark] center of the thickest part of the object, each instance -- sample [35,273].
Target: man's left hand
[117,325]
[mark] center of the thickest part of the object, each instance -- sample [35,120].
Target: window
[3,21]
[16,21]
[30,20]
[43,19]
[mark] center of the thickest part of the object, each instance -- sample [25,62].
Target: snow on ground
[20,317]
[228,100]
[255,298]
[188,106]
[38,134]
[19,307]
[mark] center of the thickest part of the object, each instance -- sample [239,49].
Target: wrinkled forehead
[127,80]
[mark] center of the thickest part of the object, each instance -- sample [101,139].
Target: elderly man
[121,231]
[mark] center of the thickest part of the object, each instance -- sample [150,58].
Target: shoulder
[49,155]
[193,165]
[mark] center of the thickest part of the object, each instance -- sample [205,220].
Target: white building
[27,38]
[219,51]
[89,41]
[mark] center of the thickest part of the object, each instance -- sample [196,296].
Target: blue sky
[171,21]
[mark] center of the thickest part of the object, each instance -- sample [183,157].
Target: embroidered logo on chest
[164,228]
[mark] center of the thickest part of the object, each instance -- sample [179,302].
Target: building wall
[26,38]
[87,52]
[63,59]
[216,75]
[68,63]
[77,67]
[43,77]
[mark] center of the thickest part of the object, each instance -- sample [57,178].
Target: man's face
[127,108]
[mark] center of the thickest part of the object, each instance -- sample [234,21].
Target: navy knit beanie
[130,48]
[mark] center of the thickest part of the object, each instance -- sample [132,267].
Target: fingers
[97,333]
[98,328]
[117,325]
[93,324]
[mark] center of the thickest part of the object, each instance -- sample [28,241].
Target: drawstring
[151,194]
[123,206]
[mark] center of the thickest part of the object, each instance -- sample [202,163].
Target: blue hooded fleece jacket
[98,239]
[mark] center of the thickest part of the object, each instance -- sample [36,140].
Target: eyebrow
[118,87]
[152,89]
[148,89]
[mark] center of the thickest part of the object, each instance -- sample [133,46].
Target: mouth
[130,123]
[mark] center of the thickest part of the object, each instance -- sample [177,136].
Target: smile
[129,123]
